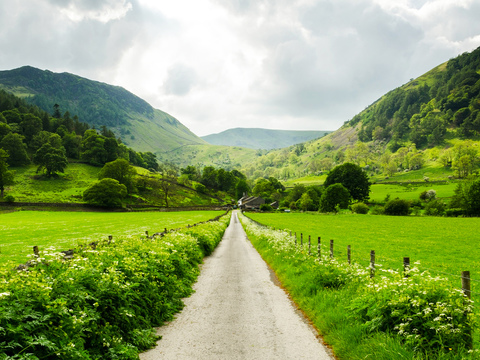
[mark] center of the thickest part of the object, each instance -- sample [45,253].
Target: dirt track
[237,312]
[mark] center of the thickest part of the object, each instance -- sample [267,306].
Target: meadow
[410,191]
[20,231]
[444,246]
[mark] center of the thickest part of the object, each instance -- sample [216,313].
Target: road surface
[237,312]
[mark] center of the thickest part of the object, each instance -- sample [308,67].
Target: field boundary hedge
[102,303]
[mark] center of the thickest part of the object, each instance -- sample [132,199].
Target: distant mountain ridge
[257,138]
[135,121]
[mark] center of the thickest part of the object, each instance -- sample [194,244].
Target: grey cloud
[180,80]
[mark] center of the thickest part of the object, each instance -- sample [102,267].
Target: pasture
[410,191]
[20,231]
[444,246]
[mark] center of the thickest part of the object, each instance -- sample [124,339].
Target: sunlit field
[20,231]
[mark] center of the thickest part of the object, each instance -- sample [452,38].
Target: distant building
[250,202]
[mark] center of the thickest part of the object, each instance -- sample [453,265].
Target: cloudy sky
[220,64]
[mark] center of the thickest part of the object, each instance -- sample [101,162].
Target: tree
[50,159]
[31,126]
[167,184]
[93,150]
[6,176]
[17,150]
[120,170]
[241,188]
[467,197]
[353,178]
[333,196]
[106,192]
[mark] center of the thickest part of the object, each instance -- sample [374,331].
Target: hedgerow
[103,303]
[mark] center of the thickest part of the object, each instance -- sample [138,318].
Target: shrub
[435,208]
[360,208]
[265,207]
[9,199]
[397,207]
[200,188]
[106,192]
[454,212]
[377,210]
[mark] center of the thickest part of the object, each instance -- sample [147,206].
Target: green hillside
[428,128]
[262,138]
[137,123]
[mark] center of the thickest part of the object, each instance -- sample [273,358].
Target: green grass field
[410,191]
[445,246]
[20,231]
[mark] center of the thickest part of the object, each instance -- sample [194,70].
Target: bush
[397,207]
[435,208]
[106,192]
[200,188]
[265,207]
[9,199]
[377,210]
[360,208]
[454,212]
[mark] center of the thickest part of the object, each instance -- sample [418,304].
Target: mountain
[136,122]
[253,138]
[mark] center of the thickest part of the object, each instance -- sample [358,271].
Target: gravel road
[237,312]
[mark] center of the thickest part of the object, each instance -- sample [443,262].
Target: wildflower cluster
[424,310]
[103,303]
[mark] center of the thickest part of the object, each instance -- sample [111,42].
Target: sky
[221,64]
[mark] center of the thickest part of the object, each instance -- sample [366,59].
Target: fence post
[110,237]
[319,249]
[331,249]
[349,254]
[372,264]
[406,266]
[295,239]
[466,283]
[309,246]
[301,240]
[146,233]
[35,250]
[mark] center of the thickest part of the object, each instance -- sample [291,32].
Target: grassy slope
[227,157]
[69,187]
[66,230]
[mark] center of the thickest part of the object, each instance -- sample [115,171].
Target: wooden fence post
[466,283]
[146,233]
[331,249]
[295,239]
[349,254]
[110,237]
[319,248]
[309,246]
[35,250]
[301,240]
[372,263]
[406,266]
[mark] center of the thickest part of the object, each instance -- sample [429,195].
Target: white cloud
[218,64]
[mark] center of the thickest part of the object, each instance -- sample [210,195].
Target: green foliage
[200,188]
[353,178]
[397,207]
[435,208]
[120,170]
[360,208]
[333,196]
[6,176]
[467,198]
[9,198]
[107,192]
[102,304]
[17,150]
[50,159]
[266,207]
[420,316]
